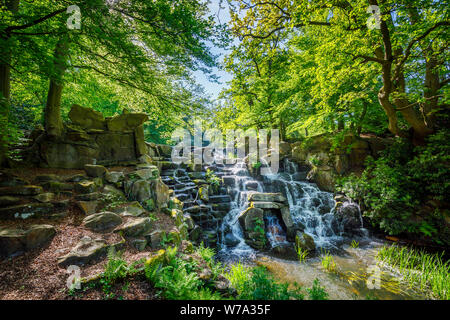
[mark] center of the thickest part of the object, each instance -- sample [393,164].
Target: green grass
[328,263]
[302,254]
[423,271]
[354,244]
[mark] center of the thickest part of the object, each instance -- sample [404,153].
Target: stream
[356,275]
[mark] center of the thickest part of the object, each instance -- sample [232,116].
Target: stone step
[219,199]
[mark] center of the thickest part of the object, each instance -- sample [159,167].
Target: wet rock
[13,241]
[85,251]
[267,205]
[266,197]
[135,227]
[231,240]
[248,217]
[102,221]
[25,211]
[95,171]
[220,199]
[348,215]
[195,234]
[88,196]
[305,241]
[22,190]
[114,194]
[229,180]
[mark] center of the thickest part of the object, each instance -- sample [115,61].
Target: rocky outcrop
[91,139]
[102,221]
[14,241]
[84,252]
[327,162]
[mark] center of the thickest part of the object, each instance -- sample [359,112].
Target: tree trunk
[53,121]
[5,84]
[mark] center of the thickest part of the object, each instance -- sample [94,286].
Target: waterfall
[309,206]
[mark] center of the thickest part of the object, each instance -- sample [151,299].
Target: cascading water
[240,185]
[309,206]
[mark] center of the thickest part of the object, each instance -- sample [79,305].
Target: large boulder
[135,227]
[95,171]
[266,197]
[13,241]
[67,155]
[25,211]
[126,122]
[102,221]
[87,118]
[248,217]
[349,216]
[305,241]
[84,252]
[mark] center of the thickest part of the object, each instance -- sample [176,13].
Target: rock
[139,244]
[189,221]
[22,190]
[126,122]
[114,177]
[164,150]
[135,227]
[305,241]
[139,139]
[144,174]
[84,252]
[155,238]
[46,178]
[56,186]
[267,205]
[141,190]
[284,149]
[6,201]
[86,187]
[102,221]
[187,246]
[162,193]
[133,209]
[145,159]
[114,194]
[14,240]
[229,180]
[67,155]
[88,207]
[9,180]
[247,218]
[349,216]
[45,197]
[76,178]
[88,196]
[87,118]
[231,240]
[267,197]
[205,275]
[95,171]
[195,234]
[25,211]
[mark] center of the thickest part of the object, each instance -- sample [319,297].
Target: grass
[302,254]
[423,271]
[328,263]
[354,244]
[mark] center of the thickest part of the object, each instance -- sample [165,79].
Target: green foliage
[328,262]
[391,189]
[259,229]
[354,244]
[427,272]
[257,165]
[116,270]
[302,254]
[258,284]
[317,292]
[176,277]
[213,180]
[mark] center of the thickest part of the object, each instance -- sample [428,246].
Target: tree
[409,49]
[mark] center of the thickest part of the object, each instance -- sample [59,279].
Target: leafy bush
[393,189]
[317,292]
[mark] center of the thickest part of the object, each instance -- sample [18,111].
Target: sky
[211,88]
